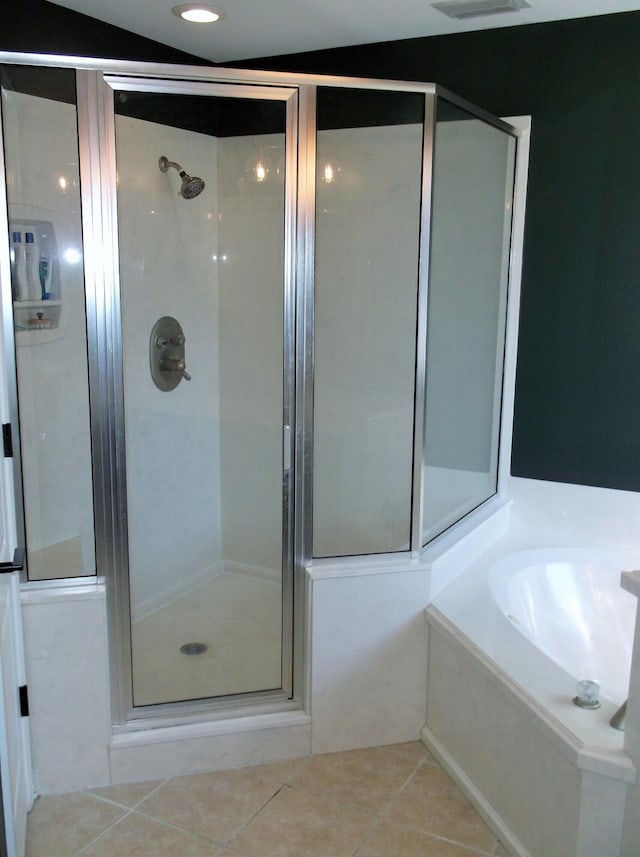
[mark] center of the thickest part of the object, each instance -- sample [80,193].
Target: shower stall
[253,321]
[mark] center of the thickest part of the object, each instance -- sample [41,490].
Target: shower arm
[164,163]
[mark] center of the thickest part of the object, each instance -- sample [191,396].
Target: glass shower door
[202,213]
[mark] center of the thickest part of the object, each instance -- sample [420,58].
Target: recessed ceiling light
[197,13]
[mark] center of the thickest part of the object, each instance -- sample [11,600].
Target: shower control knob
[167,360]
[175,364]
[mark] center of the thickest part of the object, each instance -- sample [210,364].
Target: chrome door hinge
[7,440]
[24,700]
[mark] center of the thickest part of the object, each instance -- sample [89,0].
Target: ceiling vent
[463,9]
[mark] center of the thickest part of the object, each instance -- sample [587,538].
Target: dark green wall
[578,387]
[35,26]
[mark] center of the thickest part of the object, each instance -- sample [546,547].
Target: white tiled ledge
[68,589]
[446,556]
[166,734]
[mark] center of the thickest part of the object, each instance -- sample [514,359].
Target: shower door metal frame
[96,120]
[418,544]
[98,181]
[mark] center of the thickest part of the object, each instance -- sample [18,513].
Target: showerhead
[191,187]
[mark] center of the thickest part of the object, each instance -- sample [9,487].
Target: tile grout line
[396,797]
[367,836]
[281,786]
[124,806]
[134,810]
[218,842]
[244,824]
[354,806]
[102,833]
[413,827]
[457,842]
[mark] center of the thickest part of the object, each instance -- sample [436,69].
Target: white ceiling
[261,28]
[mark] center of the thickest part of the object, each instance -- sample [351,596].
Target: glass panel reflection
[367,222]
[473,175]
[43,189]
[204,456]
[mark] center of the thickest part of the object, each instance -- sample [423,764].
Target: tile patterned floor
[386,802]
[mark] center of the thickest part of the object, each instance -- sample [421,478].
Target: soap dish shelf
[28,315]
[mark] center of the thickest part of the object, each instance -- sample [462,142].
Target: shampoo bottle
[45,278]
[33,268]
[21,283]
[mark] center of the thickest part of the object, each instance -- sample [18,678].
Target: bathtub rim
[525,563]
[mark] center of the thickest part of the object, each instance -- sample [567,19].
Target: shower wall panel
[168,250]
[251,237]
[365,321]
[40,138]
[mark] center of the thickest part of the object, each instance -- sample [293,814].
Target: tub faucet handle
[587,694]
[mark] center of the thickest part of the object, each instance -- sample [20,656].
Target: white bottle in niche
[21,282]
[33,267]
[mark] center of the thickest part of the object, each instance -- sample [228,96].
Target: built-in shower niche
[37,307]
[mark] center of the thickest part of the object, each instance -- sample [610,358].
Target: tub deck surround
[549,777]
[583,737]
[540,789]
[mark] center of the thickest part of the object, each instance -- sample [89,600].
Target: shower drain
[194,648]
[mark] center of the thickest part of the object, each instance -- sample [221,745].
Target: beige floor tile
[500,850]
[138,836]
[416,750]
[430,759]
[59,826]
[296,824]
[412,749]
[278,772]
[214,805]
[395,841]
[129,794]
[434,804]
[366,779]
